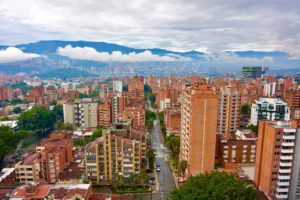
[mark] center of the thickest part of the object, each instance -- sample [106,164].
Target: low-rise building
[28,170]
[28,192]
[70,192]
[233,149]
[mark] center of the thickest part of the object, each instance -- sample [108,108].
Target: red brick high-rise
[198,128]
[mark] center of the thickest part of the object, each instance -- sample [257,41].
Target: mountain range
[106,58]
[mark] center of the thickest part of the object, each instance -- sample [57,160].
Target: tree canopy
[37,119]
[253,128]
[65,126]
[246,109]
[173,143]
[10,139]
[214,186]
[58,111]
[150,117]
[17,110]
[151,158]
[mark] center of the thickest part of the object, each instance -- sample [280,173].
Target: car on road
[151,180]
[157,168]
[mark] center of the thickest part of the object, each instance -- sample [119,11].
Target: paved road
[165,177]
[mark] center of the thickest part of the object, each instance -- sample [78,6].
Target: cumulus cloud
[88,53]
[12,54]
[184,25]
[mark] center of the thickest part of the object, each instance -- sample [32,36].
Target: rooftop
[68,191]
[271,101]
[24,191]
[30,158]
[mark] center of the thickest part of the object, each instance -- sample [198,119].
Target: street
[165,177]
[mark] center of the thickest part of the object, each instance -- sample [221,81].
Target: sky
[211,26]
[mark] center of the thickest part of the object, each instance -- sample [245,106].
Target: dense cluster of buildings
[213,126]
[211,116]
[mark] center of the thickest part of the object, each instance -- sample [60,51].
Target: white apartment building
[117,86]
[81,114]
[269,109]
[164,104]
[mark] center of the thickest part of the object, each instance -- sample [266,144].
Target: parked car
[157,168]
[151,180]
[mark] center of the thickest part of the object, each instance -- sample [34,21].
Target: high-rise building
[81,113]
[277,167]
[104,114]
[112,156]
[118,106]
[104,90]
[164,104]
[136,84]
[134,113]
[269,109]
[292,97]
[56,154]
[252,72]
[117,86]
[172,120]
[229,110]
[198,128]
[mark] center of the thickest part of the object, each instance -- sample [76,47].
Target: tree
[97,133]
[53,102]
[253,128]
[125,88]
[4,118]
[151,158]
[10,139]
[37,119]
[17,110]
[17,101]
[215,186]
[147,88]
[65,126]
[95,93]
[58,111]
[81,95]
[150,117]
[143,177]
[173,143]
[182,166]
[246,109]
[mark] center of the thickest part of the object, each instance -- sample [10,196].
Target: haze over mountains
[106,58]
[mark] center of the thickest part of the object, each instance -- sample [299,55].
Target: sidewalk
[174,175]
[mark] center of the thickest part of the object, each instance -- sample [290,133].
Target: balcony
[287,151]
[285,171]
[285,164]
[282,190]
[288,144]
[289,137]
[281,196]
[283,183]
[280,177]
[286,157]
